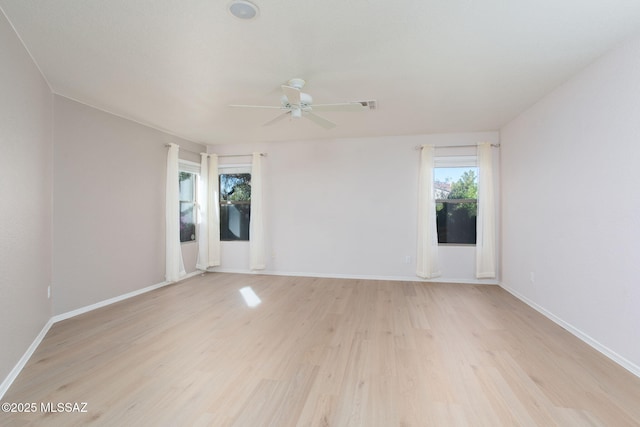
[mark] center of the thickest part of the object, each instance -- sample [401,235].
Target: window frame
[232,169]
[193,168]
[462,161]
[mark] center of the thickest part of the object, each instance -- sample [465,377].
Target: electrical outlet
[407,259]
[532,277]
[49,292]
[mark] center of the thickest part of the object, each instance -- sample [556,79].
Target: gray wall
[82,203]
[108,209]
[25,199]
[571,205]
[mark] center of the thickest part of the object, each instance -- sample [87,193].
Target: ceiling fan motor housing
[305,101]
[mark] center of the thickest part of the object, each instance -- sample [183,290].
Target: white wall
[571,206]
[109,195]
[346,208]
[26,120]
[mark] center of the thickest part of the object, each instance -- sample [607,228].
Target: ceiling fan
[297,104]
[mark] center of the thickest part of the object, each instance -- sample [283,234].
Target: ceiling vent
[371,105]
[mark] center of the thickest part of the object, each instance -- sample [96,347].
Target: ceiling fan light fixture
[243,9]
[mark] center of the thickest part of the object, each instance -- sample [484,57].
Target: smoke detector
[243,9]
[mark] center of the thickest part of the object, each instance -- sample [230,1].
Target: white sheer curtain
[486,220]
[174,263]
[209,225]
[256,227]
[427,258]
[203,208]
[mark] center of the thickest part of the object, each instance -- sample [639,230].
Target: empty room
[319,213]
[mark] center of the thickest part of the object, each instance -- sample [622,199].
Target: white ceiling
[432,65]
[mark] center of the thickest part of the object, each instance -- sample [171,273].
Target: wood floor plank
[321,352]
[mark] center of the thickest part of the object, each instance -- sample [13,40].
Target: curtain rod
[182,149]
[419,147]
[220,155]
[239,155]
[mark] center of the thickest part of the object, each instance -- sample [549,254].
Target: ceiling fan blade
[271,107]
[292,94]
[319,120]
[277,118]
[347,106]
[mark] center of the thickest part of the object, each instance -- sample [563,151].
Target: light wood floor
[322,352]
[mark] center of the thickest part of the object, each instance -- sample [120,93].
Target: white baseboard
[100,304]
[358,276]
[82,310]
[620,360]
[34,345]
[24,359]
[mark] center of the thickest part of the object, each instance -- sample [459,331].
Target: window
[456,194]
[235,206]
[187,206]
